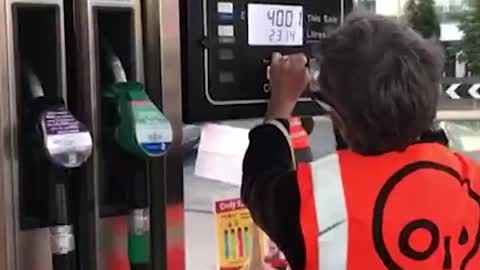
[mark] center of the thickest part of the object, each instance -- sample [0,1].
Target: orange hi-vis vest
[299,140]
[412,210]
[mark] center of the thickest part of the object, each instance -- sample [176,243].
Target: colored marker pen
[233,244]
[225,243]
[240,242]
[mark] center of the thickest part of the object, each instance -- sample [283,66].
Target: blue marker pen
[225,243]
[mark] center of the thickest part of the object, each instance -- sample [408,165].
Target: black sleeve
[270,191]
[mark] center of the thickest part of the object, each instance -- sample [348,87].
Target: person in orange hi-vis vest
[392,196]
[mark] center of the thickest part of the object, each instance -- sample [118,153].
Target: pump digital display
[275,25]
[227,44]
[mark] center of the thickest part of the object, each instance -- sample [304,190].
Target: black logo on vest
[416,238]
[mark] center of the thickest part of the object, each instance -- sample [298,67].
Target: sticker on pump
[225,11]
[67,141]
[240,243]
[226,31]
[153,131]
[225,7]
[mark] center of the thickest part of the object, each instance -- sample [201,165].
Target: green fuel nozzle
[142,129]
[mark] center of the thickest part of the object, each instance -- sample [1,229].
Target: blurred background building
[447,10]
[449,13]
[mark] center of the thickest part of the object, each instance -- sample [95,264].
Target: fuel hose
[138,232]
[62,239]
[138,239]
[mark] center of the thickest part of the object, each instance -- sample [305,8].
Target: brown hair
[383,80]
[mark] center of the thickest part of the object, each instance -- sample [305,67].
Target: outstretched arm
[270,190]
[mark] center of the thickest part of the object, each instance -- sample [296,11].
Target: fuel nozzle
[60,142]
[143,132]
[142,129]
[67,142]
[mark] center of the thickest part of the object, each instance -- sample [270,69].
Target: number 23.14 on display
[282,25]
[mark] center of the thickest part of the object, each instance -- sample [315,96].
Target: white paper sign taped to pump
[220,153]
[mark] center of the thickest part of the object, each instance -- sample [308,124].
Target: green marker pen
[246,241]
[233,244]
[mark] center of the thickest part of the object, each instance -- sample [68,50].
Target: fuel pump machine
[227,45]
[48,142]
[129,130]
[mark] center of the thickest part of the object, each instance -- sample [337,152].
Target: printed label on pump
[234,234]
[241,245]
[68,142]
[153,130]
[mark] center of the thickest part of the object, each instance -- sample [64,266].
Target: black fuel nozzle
[59,143]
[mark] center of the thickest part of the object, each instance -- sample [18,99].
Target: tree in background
[470,26]
[421,16]
[411,13]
